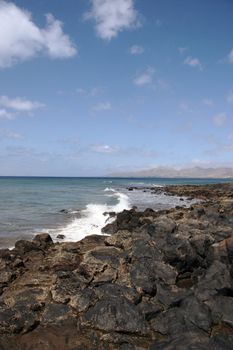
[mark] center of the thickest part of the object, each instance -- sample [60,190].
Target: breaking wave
[92,219]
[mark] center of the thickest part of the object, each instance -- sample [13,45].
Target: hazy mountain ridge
[195,172]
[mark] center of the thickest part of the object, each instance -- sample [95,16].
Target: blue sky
[93,87]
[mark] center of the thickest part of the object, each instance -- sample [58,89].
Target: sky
[91,87]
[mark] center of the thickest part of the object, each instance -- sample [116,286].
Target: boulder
[162,280]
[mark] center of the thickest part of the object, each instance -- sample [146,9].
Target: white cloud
[19,104]
[193,62]
[4,114]
[208,102]
[112,16]
[230,137]
[102,106]
[104,149]
[136,50]
[21,39]
[220,119]
[144,78]
[230,97]
[230,57]
[57,43]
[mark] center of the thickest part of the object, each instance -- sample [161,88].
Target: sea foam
[92,219]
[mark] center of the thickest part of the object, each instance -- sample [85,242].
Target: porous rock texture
[160,280]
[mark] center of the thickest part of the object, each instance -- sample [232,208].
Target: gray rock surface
[162,280]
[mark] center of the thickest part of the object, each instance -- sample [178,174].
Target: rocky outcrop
[161,280]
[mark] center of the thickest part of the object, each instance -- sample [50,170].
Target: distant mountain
[196,172]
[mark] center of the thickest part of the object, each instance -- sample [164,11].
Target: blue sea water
[73,206]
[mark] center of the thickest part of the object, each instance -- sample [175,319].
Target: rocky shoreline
[160,280]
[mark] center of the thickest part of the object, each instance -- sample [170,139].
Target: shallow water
[30,205]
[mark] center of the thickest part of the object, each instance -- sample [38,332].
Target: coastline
[70,207]
[160,280]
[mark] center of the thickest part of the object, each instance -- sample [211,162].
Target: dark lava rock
[22,247]
[43,240]
[60,236]
[162,280]
[64,211]
[111,214]
[119,316]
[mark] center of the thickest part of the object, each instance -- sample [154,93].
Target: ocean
[74,207]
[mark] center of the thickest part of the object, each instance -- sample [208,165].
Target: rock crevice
[161,280]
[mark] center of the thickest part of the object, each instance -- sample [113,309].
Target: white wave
[75,211]
[92,219]
[109,189]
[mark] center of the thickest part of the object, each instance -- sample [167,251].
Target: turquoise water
[29,205]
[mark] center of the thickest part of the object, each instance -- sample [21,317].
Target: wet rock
[111,214]
[64,211]
[60,236]
[162,280]
[126,220]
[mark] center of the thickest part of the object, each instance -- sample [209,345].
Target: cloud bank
[19,104]
[21,39]
[11,107]
[112,17]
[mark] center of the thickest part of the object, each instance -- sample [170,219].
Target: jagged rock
[111,214]
[43,240]
[60,236]
[64,211]
[22,247]
[115,315]
[162,280]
